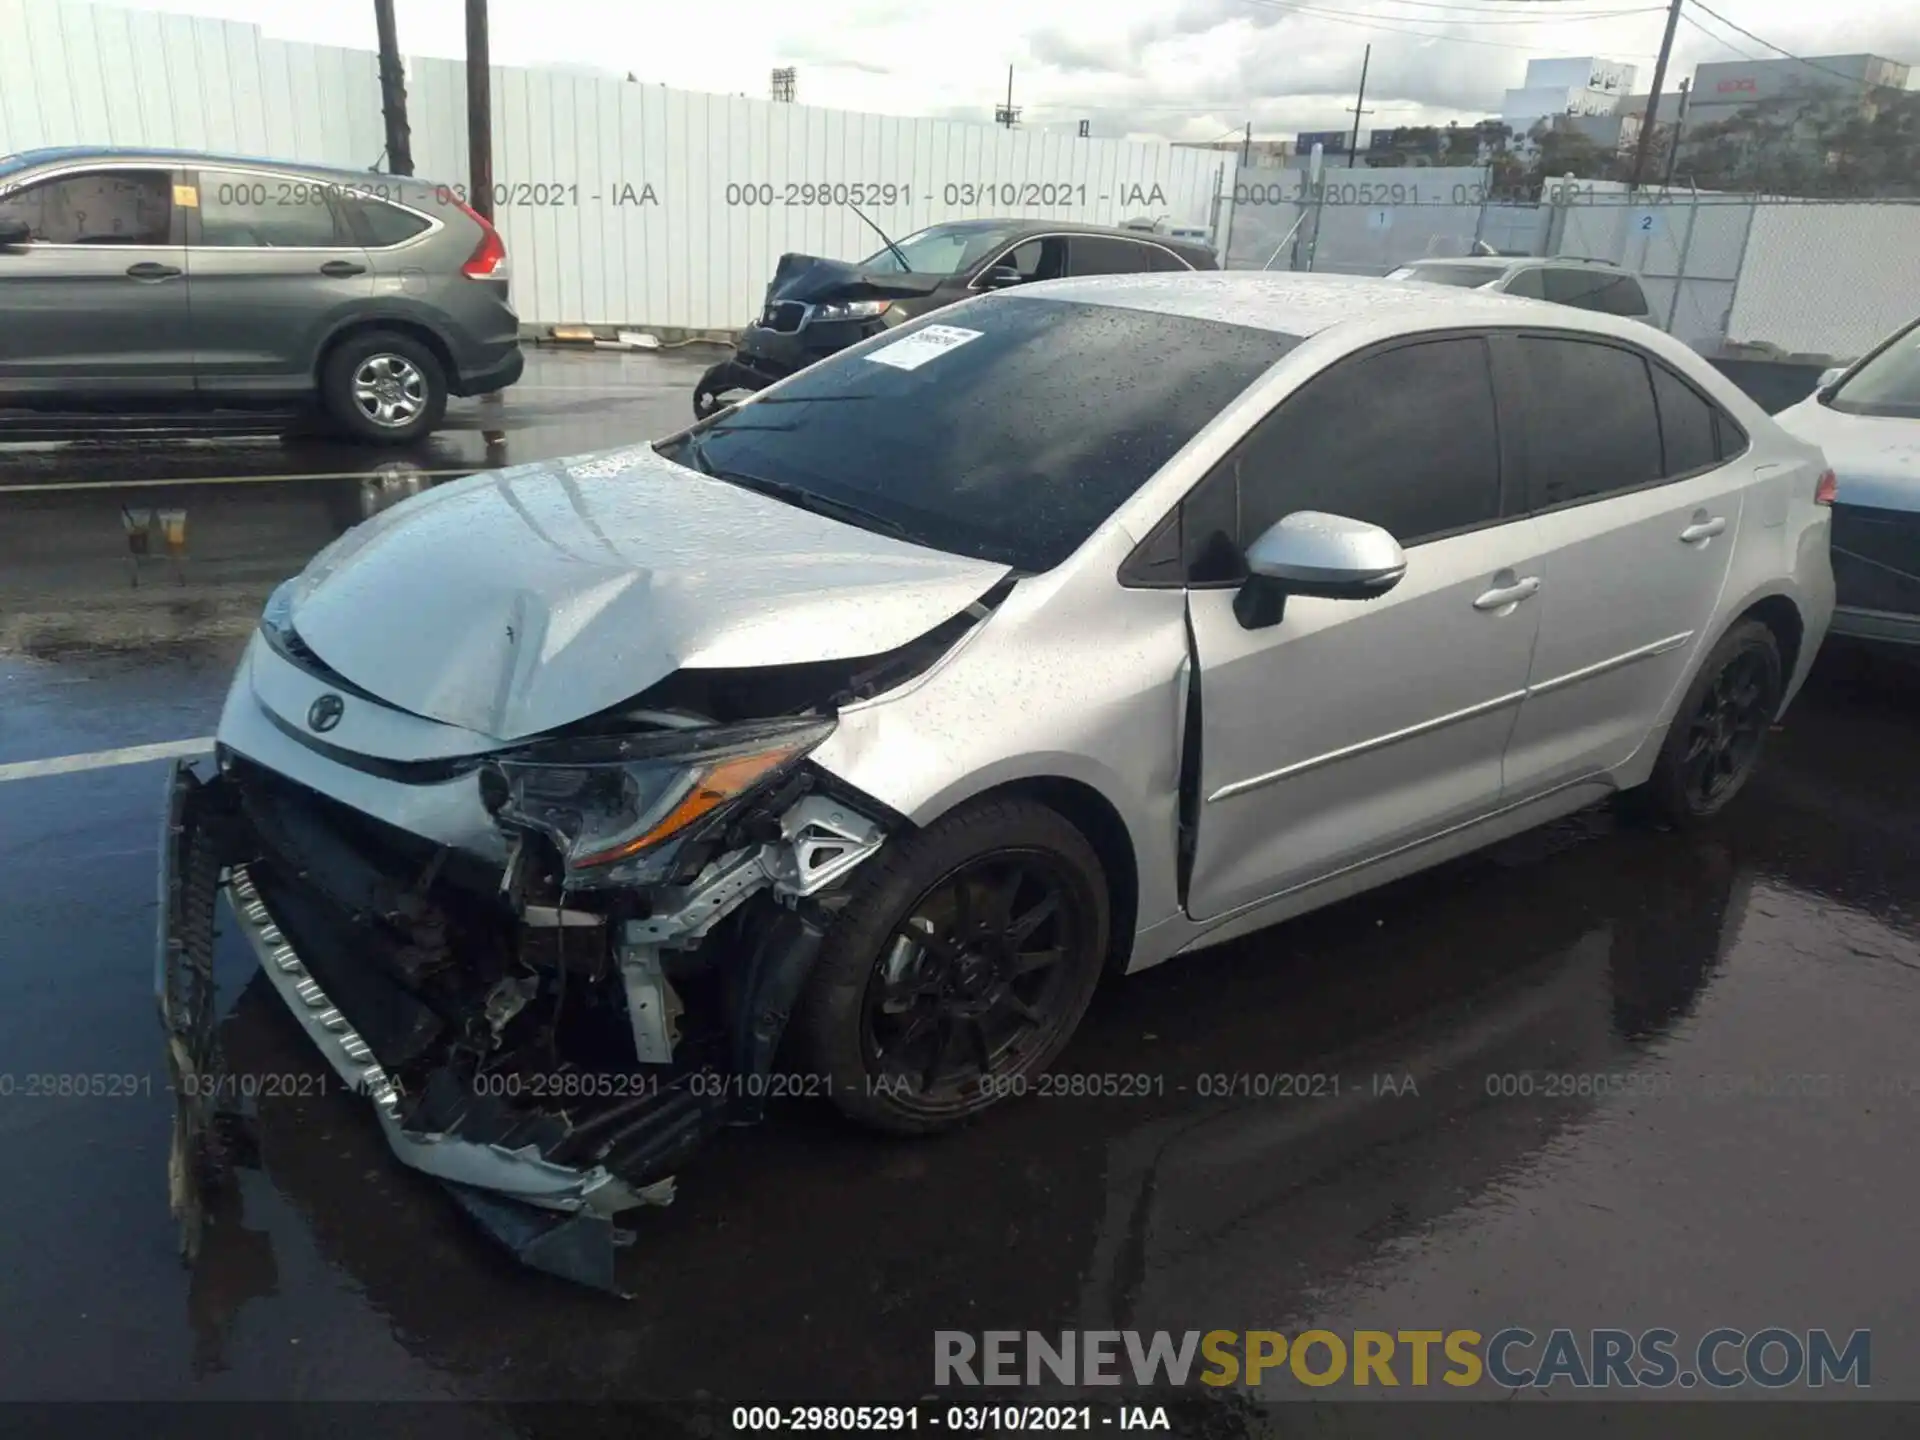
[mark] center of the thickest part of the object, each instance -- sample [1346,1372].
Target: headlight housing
[851,309]
[619,807]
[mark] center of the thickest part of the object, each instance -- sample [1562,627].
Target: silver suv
[1563,279]
[1118,617]
[156,278]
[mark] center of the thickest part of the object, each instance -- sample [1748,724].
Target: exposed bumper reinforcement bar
[556,1218]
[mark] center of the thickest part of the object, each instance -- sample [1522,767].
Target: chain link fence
[1730,275]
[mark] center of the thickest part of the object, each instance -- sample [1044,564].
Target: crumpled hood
[811,277]
[1875,457]
[518,600]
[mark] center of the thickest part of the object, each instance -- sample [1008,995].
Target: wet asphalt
[1745,1002]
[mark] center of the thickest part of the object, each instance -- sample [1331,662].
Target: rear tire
[385,387]
[1715,741]
[959,968]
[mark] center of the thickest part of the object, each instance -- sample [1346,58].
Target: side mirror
[1313,553]
[14,233]
[1000,277]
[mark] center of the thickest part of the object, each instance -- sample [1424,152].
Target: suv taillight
[489,258]
[1826,488]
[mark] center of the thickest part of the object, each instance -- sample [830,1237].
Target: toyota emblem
[325,713]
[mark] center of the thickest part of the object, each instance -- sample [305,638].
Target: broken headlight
[614,805]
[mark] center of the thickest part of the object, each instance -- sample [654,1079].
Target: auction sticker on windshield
[918,348]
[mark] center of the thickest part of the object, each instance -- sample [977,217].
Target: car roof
[1303,305]
[1015,226]
[1508,262]
[58,154]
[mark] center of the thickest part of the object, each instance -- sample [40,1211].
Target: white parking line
[102,759]
[104,485]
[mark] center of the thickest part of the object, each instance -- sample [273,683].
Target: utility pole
[393,92]
[1006,114]
[1353,145]
[1673,145]
[1653,97]
[1246,146]
[480,111]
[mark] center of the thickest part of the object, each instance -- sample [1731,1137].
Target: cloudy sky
[1179,69]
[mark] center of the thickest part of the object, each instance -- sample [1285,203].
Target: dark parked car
[815,308]
[165,278]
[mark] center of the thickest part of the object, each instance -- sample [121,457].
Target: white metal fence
[1727,274]
[621,202]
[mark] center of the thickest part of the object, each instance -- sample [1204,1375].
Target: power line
[1506,13]
[1340,19]
[1811,65]
[1718,39]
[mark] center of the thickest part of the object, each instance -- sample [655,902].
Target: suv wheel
[383,386]
[959,968]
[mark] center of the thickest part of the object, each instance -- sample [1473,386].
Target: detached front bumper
[547,1179]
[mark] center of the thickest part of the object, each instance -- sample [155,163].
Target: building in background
[1587,87]
[1837,87]
[1261,152]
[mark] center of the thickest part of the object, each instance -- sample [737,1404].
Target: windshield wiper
[804,499]
[810,399]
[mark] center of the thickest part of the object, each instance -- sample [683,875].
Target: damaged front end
[550,1038]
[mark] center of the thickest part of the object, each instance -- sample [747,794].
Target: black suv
[816,307]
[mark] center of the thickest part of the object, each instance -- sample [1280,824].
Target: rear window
[1605,290]
[1007,429]
[1469,276]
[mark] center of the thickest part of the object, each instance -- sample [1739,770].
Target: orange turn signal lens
[714,787]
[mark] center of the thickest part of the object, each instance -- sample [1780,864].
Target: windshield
[1471,276]
[1888,384]
[943,249]
[1008,433]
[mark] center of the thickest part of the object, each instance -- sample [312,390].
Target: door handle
[1703,530]
[152,270]
[341,269]
[1501,596]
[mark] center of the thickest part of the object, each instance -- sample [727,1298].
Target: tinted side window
[1686,424]
[1102,255]
[377,224]
[100,207]
[1588,423]
[1528,283]
[1729,439]
[1165,260]
[1044,259]
[265,211]
[1403,439]
[1595,289]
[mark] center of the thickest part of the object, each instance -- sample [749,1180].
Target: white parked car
[1067,630]
[1866,417]
[1564,279]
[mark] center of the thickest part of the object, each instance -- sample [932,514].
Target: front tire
[384,387]
[1714,744]
[959,968]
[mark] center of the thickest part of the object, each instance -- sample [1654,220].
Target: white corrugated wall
[73,73]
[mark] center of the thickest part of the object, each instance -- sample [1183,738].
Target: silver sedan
[865,725]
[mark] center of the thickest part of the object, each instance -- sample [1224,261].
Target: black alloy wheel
[962,964]
[974,977]
[1715,741]
[1726,731]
